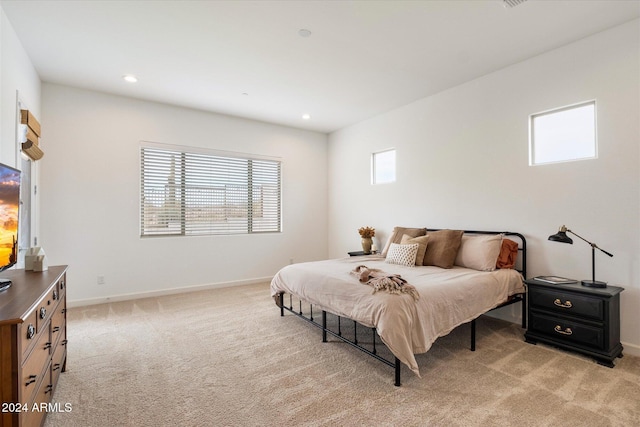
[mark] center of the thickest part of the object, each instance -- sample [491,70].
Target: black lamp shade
[561,236]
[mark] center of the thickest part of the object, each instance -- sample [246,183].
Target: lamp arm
[593,245]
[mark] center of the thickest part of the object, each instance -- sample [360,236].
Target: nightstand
[574,317]
[360,253]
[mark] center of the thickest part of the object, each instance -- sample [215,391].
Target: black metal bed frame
[522,247]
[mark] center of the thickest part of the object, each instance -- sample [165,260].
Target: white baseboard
[162,292]
[632,349]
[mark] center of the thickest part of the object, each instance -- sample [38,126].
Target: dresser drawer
[58,322]
[568,303]
[33,367]
[28,332]
[566,331]
[47,306]
[36,413]
[57,361]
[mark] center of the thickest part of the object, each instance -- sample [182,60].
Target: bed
[448,295]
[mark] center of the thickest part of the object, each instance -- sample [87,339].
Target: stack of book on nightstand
[554,280]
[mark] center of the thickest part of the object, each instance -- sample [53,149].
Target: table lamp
[561,236]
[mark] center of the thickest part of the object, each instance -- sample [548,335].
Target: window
[563,134]
[202,192]
[383,167]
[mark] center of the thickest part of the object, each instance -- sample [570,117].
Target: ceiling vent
[512,3]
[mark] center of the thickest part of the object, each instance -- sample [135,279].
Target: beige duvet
[448,298]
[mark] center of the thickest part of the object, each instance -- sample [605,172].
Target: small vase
[366,245]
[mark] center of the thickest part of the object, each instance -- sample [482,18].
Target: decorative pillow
[402,254]
[442,248]
[398,232]
[508,254]
[422,241]
[479,252]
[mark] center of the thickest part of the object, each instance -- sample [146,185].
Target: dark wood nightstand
[575,317]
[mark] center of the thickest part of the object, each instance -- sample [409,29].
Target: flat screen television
[9,217]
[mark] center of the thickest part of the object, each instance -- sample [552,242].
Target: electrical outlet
[101,280]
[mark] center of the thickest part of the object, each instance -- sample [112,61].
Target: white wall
[90,196]
[17,74]
[462,160]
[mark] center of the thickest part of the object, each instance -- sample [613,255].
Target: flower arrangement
[367,231]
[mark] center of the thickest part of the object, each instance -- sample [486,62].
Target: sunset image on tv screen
[9,204]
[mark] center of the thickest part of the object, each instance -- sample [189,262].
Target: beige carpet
[226,358]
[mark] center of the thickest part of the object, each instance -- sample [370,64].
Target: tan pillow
[398,232]
[479,252]
[422,242]
[442,248]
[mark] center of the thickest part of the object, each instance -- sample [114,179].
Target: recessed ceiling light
[306,116]
[304,33]
[130,78]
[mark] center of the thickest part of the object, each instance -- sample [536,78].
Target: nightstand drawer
[563,330]
[567,303]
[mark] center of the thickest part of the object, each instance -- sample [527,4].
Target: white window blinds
[200,193]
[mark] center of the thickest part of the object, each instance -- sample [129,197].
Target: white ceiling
[245,58]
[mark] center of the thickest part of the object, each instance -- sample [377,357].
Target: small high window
[563,134]
[383,167]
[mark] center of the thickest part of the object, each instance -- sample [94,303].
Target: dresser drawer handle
[559,330]
[55,295]
[56,367]
[566,304]
[31,331]
[43,312]
[55,329]
[32,379]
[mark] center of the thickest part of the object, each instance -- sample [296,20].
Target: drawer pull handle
[62,284]
[64,342]
[566,304]
[55,295]
[55,329]
[559,330]
[31,331]
[47,346]
[48,389]
[43,312]
[32,379]
[56,367]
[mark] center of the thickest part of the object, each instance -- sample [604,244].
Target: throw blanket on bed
[381,281]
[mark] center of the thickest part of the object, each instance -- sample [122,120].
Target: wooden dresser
[33,344]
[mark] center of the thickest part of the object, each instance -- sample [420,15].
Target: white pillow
[402,254]
[479,252]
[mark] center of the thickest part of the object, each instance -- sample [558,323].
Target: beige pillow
[402,254]
[479,252]
[398,232]
[422,241]
[442,248]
